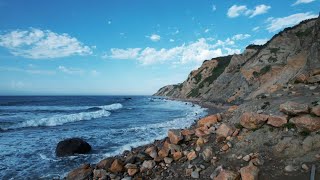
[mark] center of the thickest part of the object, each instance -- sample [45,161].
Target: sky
[126,47]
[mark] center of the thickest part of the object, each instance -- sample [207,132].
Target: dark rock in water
[72,146]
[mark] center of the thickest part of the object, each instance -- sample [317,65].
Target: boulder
[314,79]
[277,121]
[99,174]
[208,121]
[192,155]
[252,120]
[167,160]
[307,122]
[132,169]
[177,155]
[207,154]
[105,163]
[224,130]
[227,175]
[117,166]
[72,146]
[293,108]
[82,173]
[148,164]
[316,110]
[175,136]
[249,172]
[200,132]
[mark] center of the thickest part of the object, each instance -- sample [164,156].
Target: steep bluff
[291,55]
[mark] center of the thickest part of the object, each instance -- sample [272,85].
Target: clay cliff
[292,55]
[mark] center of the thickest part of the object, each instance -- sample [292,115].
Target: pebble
[229,144]
[313,87]
[198,148]
[246,158]
[240,157]
[202,166]
[225,147]
[289,168]
[168,160]
[190,166]
[305,167]
[260,111]
[195,174]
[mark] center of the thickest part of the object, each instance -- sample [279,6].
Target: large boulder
[82,173]
[72,146]
[208,121]
[227,175]
[316,110]
[293,108]
[224,130]
[117,166]
[307,122]
[277,121]
[249,172]
[175,136]
[252,120]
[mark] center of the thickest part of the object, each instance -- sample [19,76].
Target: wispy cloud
[302,2]
[276,24]
[235,10]
[259,41]
[29,70]
[214,8]
[256,28]
[240,36]
[69,70]
[42,44]
[154,37]
[194,52]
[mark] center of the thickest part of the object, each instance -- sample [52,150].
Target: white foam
[62,119]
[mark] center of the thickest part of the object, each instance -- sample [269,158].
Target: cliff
[291,55]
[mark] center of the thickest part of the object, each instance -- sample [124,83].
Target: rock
[174,148]
[175,136]
[200,132]
[168,160]
[277,121]
[177,155]
[246,158]
[305,167]
[252,120]
[233,108]
[195,174]
[117,166]
[143,156]
[219,117]
[192,155]
[164,152]
[208,121]
[293,108]
[207,154]
[105,163]
[200,141]
[260,111]
[314,79]
[81,173]
[126,178]
[289,168]
[72,146]
[189,171]
[132,172]
[148,164]
[316,110]
[225,147]
[228,175]
[99,173]
[224,130]
[249,172]
[186,132]
[236,132]
[306,122]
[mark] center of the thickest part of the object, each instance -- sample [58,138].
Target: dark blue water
[31,127]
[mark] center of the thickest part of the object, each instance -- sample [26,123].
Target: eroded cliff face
[291,55]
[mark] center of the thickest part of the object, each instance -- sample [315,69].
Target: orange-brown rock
[307,122]
[99,174]
[186,132]
[301,78]
[224,130]
[293,108]
[252,120]
[177,155]
[233,108]
[227,175]
[132,172]
[200,133]
[105,163]
[175,136]
[83,172]
[191,155]
[249,172]
[277,121]
[200,141]
[116,166]
[225,147]
[164,152]
[316,110]
[208,121]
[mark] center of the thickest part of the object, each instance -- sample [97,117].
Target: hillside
[291,55]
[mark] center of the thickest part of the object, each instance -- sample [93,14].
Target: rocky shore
[274,136]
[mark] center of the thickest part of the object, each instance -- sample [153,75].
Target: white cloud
[259,41]
[129,53]
[70,70]
[240,36]
[42,44]
[171,40]
[302,2]
[155,37]
[29,70]
[235,10]
[194,52]
[256,28]
[214,8]
[276,24]
[206,30]
[17,84]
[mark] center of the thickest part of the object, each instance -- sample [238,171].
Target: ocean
[32,126]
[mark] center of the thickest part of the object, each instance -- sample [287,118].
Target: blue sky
[128,47]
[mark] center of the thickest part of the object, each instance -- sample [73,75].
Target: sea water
[32,126]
